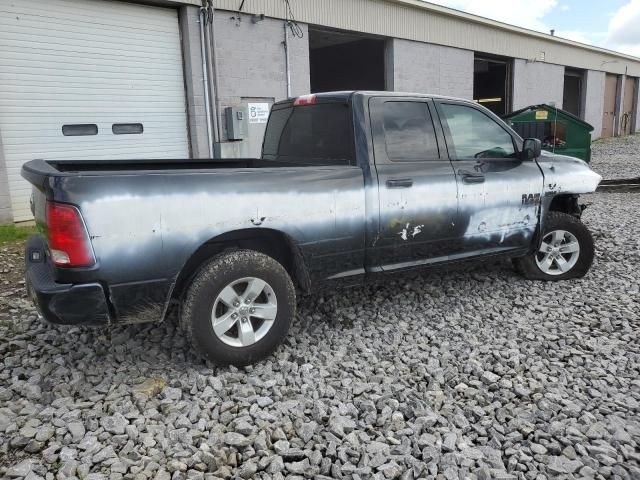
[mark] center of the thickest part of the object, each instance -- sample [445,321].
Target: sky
[613,24]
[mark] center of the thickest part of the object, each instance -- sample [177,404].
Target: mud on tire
[210,300]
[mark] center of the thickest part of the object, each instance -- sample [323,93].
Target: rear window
[310,134]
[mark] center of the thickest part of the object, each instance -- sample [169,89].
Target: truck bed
[147,218]
[128,165]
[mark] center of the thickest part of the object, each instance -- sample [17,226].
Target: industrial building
[106,79]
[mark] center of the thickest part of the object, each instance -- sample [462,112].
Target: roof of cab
[345,95]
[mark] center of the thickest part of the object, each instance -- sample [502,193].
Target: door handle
[471,177]
[400,183]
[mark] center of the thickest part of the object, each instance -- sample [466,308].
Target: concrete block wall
[189,18]
[251,59]
[537,82]
[428,68]
[637,119]
[6,214]
[594,100]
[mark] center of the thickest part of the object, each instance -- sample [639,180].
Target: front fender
[566,175]
[565,178]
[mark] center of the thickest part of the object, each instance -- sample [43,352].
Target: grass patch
[12,233]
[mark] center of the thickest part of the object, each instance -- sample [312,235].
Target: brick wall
[427,68]
[251,59]
[637,119]
[251,67]
[537,82]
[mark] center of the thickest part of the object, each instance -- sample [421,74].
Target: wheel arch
[566,203]
[561,202]
[274,243]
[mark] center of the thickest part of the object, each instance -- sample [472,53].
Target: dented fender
[566,175]
[563,176]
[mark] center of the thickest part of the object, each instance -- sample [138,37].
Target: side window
[475,135]
[408,132]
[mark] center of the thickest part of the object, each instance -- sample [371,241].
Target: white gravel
[617,157]
[457,375]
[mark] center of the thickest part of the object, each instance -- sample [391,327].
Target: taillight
[305,100]
[68,239]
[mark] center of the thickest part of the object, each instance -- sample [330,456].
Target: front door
[416,184]
[498,194]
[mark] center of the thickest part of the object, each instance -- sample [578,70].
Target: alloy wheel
[244,311]
[558,252]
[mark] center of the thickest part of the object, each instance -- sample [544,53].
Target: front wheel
[566,250]
[238,307]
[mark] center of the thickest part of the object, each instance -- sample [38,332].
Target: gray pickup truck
[349,184]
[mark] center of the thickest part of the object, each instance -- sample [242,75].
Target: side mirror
[531,148]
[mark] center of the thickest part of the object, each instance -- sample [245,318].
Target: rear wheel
[239,307]
[566,250]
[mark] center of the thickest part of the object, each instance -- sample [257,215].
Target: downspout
[286,57]
[213,69]
[205,79]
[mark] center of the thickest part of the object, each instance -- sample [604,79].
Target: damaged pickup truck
[349,184]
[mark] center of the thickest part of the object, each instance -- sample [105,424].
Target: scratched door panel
[502,212]
[499,194]
[416,188]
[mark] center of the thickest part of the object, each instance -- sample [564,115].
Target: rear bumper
[61,303]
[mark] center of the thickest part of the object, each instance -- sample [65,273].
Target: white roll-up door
[88,79]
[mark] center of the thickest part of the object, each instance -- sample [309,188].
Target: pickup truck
[349,184]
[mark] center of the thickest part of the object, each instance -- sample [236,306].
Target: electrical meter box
[236,119]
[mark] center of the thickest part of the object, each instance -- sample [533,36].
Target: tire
[564,265]
[240,273]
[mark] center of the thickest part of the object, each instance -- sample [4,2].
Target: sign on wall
[258,112]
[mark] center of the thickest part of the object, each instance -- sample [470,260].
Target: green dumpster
[559,131]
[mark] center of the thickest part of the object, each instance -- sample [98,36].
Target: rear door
[416,184]
[498,194]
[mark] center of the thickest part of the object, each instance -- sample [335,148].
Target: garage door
[88,79]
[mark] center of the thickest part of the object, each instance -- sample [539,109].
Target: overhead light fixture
[489,100]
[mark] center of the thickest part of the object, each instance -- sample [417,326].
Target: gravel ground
[468,374]
[617,157]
